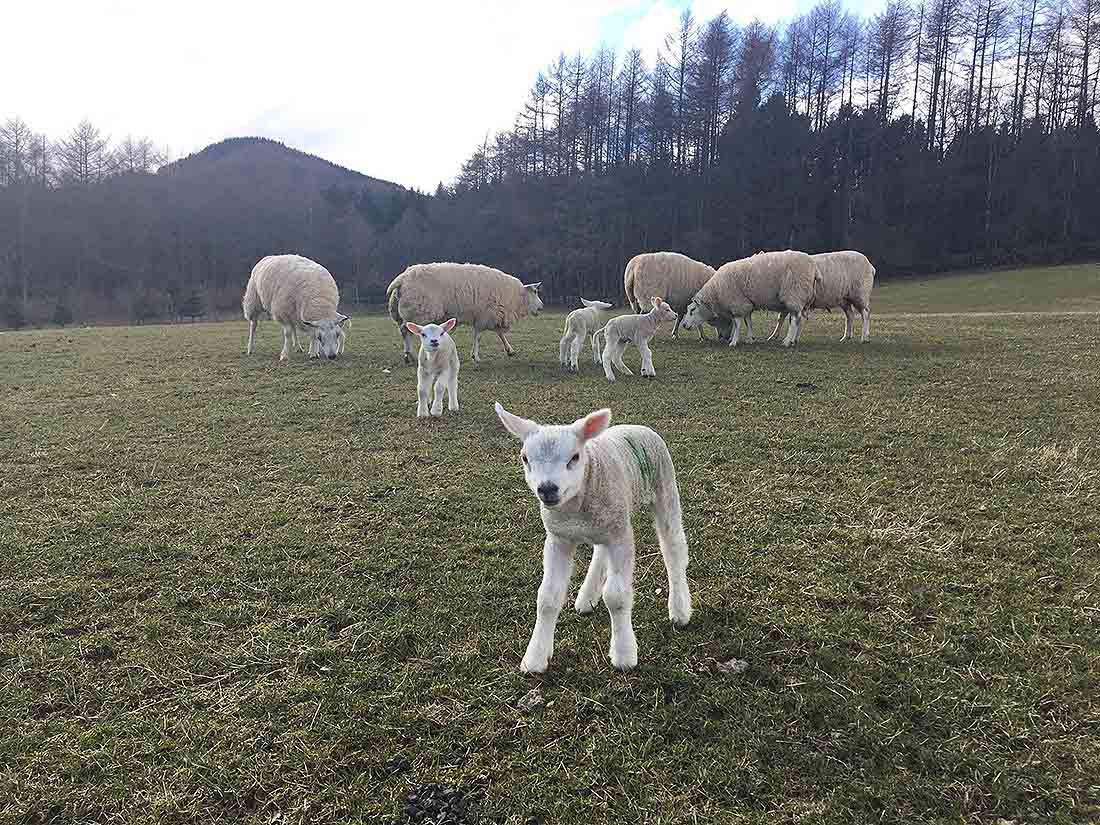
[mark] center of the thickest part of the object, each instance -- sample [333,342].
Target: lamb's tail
[596,345]
[393,298]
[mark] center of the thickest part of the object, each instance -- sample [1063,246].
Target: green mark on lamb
[649,472]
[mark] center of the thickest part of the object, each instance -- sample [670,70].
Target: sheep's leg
[406,341]
[423,383]
[866,313]
[736,331]
[670,533]
[437,396]
[452,390]
[748,328]
[285,354]
[647,359]
[589,594]
[557,567]
[676,328]
[701,336]
[575,353]
[795,328]
[507,344]
[778,324]
[477,345]
[251,336]
[847,310]
[618,595]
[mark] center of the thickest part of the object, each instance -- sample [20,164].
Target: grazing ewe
[436,367]
[847,279]
[673,277]
[301,295]
[481,296]
[589,481]
[577,326]
[781,281]
[625,329]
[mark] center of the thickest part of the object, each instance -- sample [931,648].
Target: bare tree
[84,157]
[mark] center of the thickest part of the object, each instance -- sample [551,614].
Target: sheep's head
[432,335]
[663,310]
[696,316]
[534,302]
[553,456]
[326,335]
[601,305]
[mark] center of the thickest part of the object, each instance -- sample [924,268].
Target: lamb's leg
[847,322]
[618,595]
[866,313]
[608,358]
[564,347]
[670,533]
[778,324]
[575,353]
[422,387]
[620,350]
[507,344]
[647,359]
[251,336]
[596,358]
[736,331]
[406,342]
[589,594]
[557,567]
[285,354]
[477,345]
[437,396]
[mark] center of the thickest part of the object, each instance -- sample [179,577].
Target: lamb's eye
[576,457]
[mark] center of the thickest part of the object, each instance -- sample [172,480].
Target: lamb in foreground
[673,277]
[626,329]
[483,297]
[437,366]
[780,281]
[578,325]
[301,295]
[589,480]
[847,279]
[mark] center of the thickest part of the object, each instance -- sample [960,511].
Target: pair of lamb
[617,334]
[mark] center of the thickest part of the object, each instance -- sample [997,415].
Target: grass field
[234,591]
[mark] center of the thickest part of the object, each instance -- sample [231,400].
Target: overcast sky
[399,90]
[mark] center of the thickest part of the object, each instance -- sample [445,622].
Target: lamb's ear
[533,287]
[449,324]
[521,428]
[657,301]
[592,425]
[413,328]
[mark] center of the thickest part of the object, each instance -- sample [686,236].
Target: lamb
[846,282]
[669,275]
[301,295]
[624,329]
[577,326]
[781,281]
[589,480]
[436,367]
[481,296]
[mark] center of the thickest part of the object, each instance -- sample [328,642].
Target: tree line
[934,135]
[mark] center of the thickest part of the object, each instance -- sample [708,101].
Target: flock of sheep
[588,477]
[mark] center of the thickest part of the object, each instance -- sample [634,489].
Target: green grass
[234,591]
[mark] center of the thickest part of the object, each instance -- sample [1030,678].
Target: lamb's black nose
[548,492]
[332,357]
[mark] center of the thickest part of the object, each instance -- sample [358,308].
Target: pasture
[234,591]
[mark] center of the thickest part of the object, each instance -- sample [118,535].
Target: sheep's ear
[449,324]
[413,328]
[306,323]
[344,319]
[592,425]
[521,428]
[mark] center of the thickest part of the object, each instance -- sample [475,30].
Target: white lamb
[847,279]
[437,366]
[630,329]
[673,277]
[589,481]
[578,325]
[483,297]
[301,295]
[780,281]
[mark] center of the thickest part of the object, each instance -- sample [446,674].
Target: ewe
[625,329]
[577,326]
[673,277]
[847,279]
[589,480]
[436,367]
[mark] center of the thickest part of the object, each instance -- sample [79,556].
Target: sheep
[624,329]
[301,295]
[577,326]
[481,296]
[669,275]
[846,282]
[589,480]
[437,366]
[782,281]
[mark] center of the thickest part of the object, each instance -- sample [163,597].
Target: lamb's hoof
[511,353]
[437,413]
[534,665]
[625,660]
[679,616]
[585,607]
[408,358]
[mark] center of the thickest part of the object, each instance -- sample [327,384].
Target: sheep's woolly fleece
[480,296]
[292,289]
[668,275]
[779,281]
[846,278]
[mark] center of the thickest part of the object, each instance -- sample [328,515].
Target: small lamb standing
[577,326]
[436,367]
[483,297]
[625,329]
[780,281]
[301,295]
[589,480]
[847,279]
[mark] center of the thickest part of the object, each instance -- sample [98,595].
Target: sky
[402,91]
